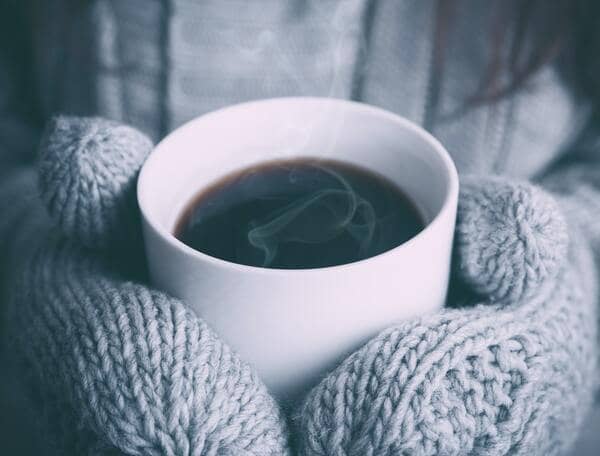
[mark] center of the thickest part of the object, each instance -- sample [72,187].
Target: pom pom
[87,170]
[511,237]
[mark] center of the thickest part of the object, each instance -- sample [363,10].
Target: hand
[118,366]
[511,371]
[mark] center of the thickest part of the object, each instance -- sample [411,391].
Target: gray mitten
[121,368]
[511,372]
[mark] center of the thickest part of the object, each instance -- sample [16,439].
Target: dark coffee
[298,214]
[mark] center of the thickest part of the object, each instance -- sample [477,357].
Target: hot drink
[298,214]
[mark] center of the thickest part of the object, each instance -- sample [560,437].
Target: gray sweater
[157,63]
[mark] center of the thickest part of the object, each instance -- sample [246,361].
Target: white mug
[296,325]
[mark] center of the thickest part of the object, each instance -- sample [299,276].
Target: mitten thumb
[88,168]
[511,238]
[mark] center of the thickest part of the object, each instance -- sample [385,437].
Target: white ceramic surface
[295,325]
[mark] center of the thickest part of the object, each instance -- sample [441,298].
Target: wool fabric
[103,154]
[492,379]
[135,372]
[512,237]
[134,367]
[157,64]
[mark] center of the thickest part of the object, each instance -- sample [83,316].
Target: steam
[330,65]
[335,210]
[316,218]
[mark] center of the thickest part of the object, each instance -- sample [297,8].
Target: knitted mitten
[130,370]
[511,373]
[121,368]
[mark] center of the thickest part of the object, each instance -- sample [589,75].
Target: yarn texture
[89,165]
[122,367]
[505,369]
[118,368]
[511,373]
[491,379]
[512,238]
[144,373]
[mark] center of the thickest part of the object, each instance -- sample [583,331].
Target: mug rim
[448,164]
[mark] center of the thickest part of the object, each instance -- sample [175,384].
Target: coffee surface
[298,214]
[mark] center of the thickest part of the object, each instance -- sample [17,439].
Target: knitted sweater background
[156,64]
